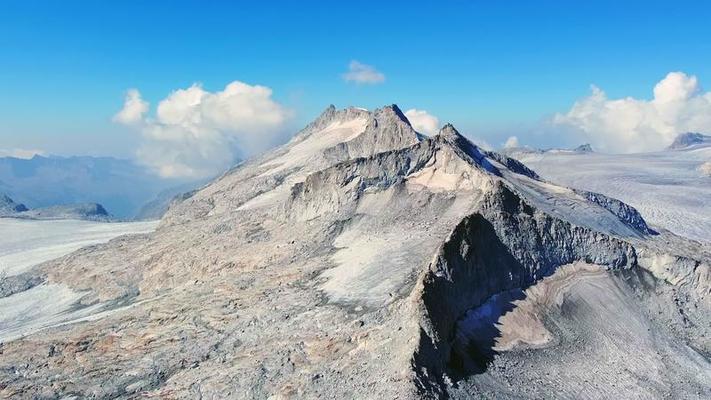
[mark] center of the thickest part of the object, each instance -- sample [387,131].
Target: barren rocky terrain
[365,260]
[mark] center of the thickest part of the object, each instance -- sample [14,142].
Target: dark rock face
[508,245]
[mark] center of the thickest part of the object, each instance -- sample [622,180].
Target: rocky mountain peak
[465,147]
[449,132]
[390,116]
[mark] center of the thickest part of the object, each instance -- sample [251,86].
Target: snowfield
[25,243]
[669,188]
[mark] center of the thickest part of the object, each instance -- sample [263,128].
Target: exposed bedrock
[508,245]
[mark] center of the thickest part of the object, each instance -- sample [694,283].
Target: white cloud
[363,74]
[511,142]
[21,153]
[196,133]
[423,121]
[632,125]
[134,108]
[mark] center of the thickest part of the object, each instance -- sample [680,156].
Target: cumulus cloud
[632,125]
[134,108]
[511,142]
[423,121]
[363,74]
[197,133]
[21,153]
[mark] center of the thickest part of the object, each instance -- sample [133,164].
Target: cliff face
[353,262]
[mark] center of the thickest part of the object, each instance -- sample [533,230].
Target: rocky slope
[362,259]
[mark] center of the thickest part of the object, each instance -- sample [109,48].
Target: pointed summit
[450,133]
[398,113]
[391,115]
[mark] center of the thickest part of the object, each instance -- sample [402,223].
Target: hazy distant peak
[584,148]
[689,139]
[8,205]
[85,211]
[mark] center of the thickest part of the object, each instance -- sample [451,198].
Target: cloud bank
[423,121]
[363,74]
[196,133]
[634,125]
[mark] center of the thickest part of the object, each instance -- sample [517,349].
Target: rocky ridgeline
[342,265]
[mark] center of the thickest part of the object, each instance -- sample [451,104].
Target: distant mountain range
[84,211]
[582,149]
[121,186]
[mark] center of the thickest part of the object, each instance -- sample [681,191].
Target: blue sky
[494,69]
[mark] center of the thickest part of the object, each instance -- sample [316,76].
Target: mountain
[689,139]
[9,207]
[120,185]
[362,260]
[85,211]
[583,148]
